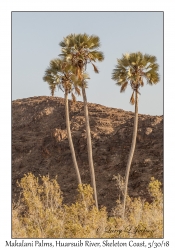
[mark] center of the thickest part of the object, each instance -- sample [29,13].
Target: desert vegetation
[40,211]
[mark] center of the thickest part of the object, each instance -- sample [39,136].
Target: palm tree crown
[62,74]
[133,68]
[81,49]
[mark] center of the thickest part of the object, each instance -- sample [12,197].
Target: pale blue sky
[35,41]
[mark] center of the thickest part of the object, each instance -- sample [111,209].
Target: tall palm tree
[79,50]
[133,69]
[62,74]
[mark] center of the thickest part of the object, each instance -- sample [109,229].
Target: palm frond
[120,75]
[62,44]
[95,68]
[85,76]
[152,77]
[78,73]
[96,56]
[123,87]
[149,58]
[61,87]
[52,87]
[141,82]
[77,90]
[74,78]
[94,42]
[132,100]
[73,98]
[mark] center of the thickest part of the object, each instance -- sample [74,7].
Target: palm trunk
[131,151]
[70,138]
[89,146]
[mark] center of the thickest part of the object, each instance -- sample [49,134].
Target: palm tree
[79,50]
[133,69]
[62,74]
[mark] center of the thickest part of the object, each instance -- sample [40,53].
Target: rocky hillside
[40,146]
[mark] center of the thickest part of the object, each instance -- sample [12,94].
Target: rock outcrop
[40,146]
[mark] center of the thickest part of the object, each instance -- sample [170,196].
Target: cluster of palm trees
[69,74]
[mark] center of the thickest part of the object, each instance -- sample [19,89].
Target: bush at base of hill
[40,213]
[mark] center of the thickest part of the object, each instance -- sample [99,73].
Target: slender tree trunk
[52,92]
[89,146]
[70,138]
[131,151]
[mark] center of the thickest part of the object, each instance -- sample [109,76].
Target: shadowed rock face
[40,146]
